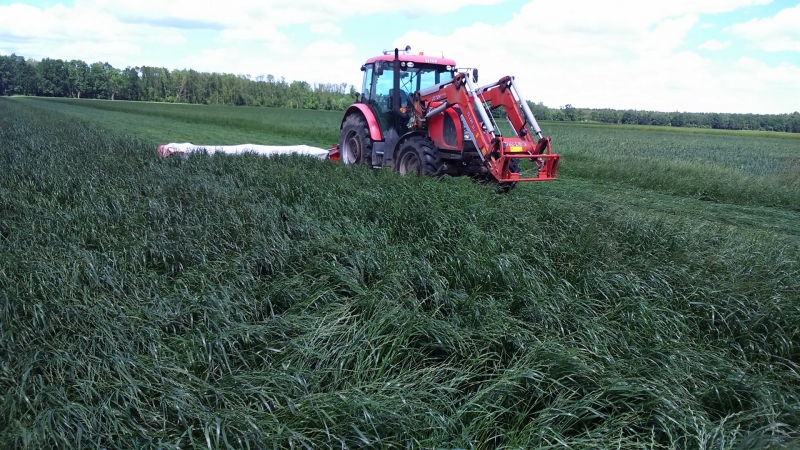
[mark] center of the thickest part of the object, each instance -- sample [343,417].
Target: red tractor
[419,114]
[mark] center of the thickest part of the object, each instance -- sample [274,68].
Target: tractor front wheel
[505,188]
[355,143]
[418,155]
[502,188]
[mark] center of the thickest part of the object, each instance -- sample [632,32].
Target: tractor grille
[449,131]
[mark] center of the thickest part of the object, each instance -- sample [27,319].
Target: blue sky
[677,55]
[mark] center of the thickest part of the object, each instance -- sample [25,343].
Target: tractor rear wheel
[418,155]
[355,143]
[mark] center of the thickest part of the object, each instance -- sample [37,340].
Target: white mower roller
[186,148]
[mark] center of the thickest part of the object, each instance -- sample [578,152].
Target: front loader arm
[458,93]
[497,151]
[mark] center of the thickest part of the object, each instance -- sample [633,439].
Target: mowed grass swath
[252,302]
[205,124]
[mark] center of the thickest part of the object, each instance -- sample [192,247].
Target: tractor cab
[386,88]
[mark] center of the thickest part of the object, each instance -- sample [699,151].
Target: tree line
[789,123]
[77,79]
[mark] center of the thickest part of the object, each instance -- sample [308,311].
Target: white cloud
[410,8]
[76,33]
[773,34]
[257,34]
[714,45]
[321,62]
[259,20]
[622,54]
[327,28]
[118,30]
[668,34]
[59,23]
[269,13]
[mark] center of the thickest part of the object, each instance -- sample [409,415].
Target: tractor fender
[408,135]
[369,116]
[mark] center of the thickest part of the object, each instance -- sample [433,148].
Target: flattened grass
[249,302]
[164,123]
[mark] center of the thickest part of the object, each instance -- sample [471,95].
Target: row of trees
[77,79]
[789,123]
[58,78]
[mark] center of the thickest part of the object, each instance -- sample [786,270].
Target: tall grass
[722,168]
[243,302]
[741,168]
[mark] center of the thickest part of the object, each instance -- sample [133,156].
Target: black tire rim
[410,163]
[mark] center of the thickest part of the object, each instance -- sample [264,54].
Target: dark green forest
[77,79]
[789,123]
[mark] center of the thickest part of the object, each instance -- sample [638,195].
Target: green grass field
[649,298]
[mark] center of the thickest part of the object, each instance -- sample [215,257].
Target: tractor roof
[416,59]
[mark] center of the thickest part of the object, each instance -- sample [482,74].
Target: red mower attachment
[333,153]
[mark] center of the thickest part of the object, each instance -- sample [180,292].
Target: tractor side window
[381,86]
[366,87]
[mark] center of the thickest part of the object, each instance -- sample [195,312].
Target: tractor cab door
[378,90]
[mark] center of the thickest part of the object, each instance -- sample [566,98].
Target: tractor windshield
[378,85]
[416,78]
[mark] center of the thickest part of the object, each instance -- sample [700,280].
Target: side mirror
[379,68]
[474,75]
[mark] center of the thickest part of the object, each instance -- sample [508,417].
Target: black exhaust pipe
[396,91]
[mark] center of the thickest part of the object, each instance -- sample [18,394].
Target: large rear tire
[418,155]
[355,143]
